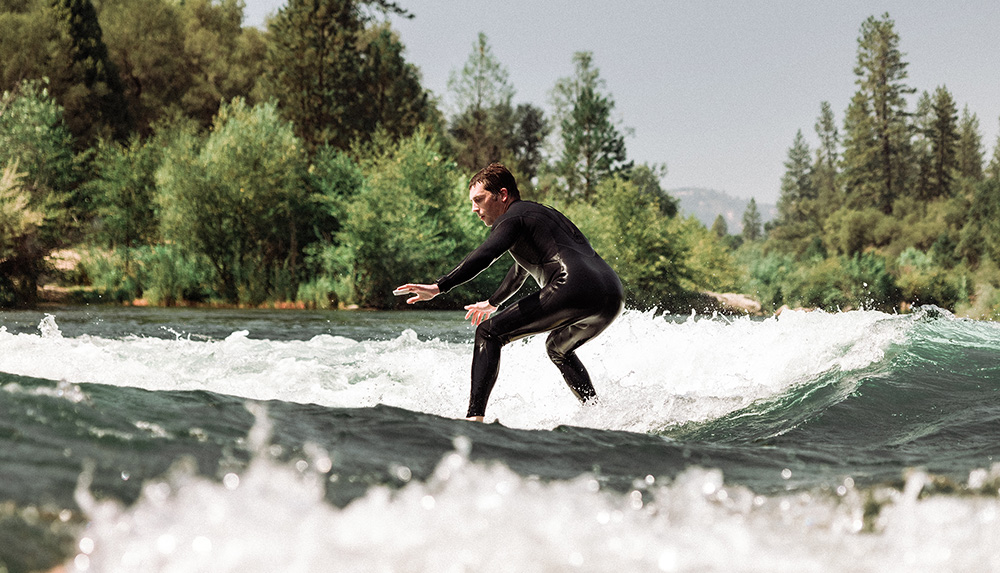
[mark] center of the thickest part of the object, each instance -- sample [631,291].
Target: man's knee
[558,354]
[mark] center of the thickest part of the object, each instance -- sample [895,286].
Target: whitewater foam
[650,371]
[483,517]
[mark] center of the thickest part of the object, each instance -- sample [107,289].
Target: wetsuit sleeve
[511,284]
[501,238]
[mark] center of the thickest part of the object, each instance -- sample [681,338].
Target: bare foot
[475,418]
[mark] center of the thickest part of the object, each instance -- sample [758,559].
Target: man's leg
[523,318]
[563,342]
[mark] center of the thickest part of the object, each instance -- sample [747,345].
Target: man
[580,294]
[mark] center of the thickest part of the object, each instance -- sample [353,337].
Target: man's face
[487,206]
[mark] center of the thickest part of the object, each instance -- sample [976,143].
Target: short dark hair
[495,177]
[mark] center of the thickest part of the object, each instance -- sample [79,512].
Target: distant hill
[707,204]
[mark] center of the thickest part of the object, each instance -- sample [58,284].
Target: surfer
[580,293]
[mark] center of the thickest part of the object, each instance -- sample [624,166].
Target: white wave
[485,518]
[649,371]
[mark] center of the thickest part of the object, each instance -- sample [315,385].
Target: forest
[159,152]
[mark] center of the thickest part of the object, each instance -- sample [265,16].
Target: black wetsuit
[580,295]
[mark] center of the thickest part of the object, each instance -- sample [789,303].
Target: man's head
[491,191]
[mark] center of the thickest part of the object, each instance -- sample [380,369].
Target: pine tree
[320,70]
[105,99]
[719,227]
[969,156]
[752,227]
[592,146]
[483,123]
[993,169]
[798,193]
[825,172]
[943,137]
[877,143]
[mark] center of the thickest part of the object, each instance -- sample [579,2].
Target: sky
[715,90]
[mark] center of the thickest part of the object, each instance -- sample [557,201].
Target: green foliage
[752,230]
[644,247]
[765,274]
[35,150]
[709,263]
[483,122]
[334,80]
[798,192]
[878,135]
[19,224]
[181,58]
[124,188]
[160,274]
[101,111]
[234,199]
[923,281]
[593,148]
[402,224]
[969,152]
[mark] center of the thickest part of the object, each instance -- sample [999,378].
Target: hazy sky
[716,90]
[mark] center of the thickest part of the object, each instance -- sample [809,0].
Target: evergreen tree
[877,143]
[102,111]
[993,169]
[719,227]
[798,193]
[317,59]
[825,172]
[943,137]
[752,227]
[483,124]
[923,156]
[592,146]
[392,86]
[530,130]
[969,155]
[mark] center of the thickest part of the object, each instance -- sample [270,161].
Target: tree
[993,169]
[969,154]
[143,37]
[321,63]
[36,152]
[235,199]
[530,130]
[410,196]
[181,58]
[877,143]
[483,123]
[124,188]
[31,44]
[101,110]
[719,227]
[825,171]
[392,86]
[752,228]
[943,136]
[647,179]
[923,155]
[592,146]
[798,193]
[644,247]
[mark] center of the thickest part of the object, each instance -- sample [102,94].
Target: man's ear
[503,194]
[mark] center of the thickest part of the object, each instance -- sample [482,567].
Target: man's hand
[420,292]
[479,312]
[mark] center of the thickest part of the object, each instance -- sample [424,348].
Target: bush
[161,274]
[645,247]
[237,200]
[922,281]
[406,222]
